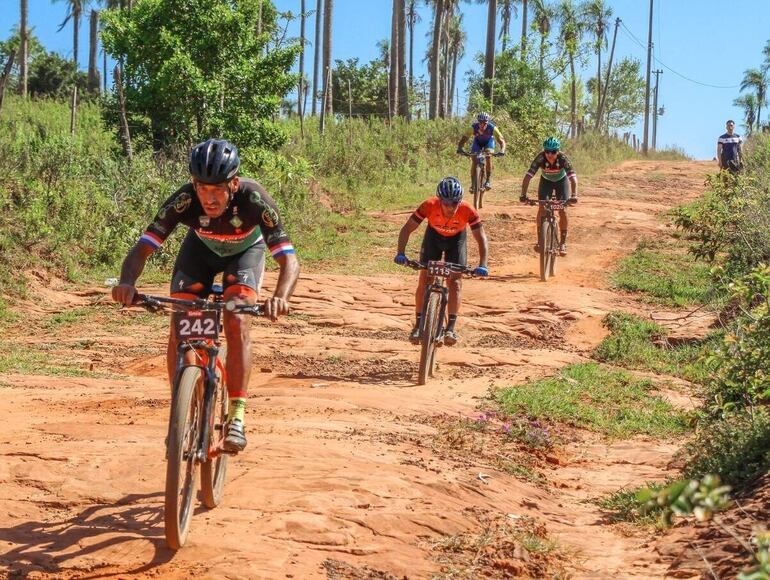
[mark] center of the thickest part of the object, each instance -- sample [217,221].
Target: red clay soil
[348,472]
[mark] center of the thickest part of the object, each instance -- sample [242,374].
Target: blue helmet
[551,144]
[450,189]
[483,117]
[214,161]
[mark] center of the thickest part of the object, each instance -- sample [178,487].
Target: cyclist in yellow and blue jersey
[484,134]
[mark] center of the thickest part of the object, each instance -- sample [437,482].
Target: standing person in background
[729,154]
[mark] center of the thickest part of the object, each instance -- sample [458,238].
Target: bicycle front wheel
[554,250]
[430,329]
[183,435]
[214,471]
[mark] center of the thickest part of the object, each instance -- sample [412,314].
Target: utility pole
[647,89]
[657,74]
[598,123]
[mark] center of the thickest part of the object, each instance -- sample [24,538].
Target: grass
[640,344]
[664,274]
[594,397]
[624,506]
[28,360]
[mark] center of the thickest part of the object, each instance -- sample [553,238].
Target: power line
[664,65]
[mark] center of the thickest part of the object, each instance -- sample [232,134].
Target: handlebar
[156,303]
[458,268]
[487,154]
[556,203]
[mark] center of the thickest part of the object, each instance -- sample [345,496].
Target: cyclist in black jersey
[231,220]
[556,172]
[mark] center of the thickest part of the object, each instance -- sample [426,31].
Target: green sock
[237,409]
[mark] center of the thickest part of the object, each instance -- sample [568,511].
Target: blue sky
[708,41]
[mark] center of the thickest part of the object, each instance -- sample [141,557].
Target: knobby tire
[428,350]
[183,433]
[554,250]
[478,189]
[214,471]
[546,254]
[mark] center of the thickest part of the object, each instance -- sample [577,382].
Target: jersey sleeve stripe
[282,248]
[151,239]
[417,216]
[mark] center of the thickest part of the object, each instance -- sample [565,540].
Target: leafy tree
[571,33]
[625,94]
[544,16]
[196,69]
[52,75]
[34,50]
[598,18]
[368,88]
[748,103]
[757,80]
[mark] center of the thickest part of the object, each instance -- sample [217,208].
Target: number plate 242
[196,325]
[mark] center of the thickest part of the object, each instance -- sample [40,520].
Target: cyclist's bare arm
[481,239]
[462,142]
[573,185]
[278,304]
[132,268]
[525,184]
[719,154]
[406,231]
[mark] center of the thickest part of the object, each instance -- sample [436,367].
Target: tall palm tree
[412,17]
[757,80]
[435,55]
[327,55]
[766,53]
[23,47]
[543,17]
[507,12]
[489,55]
[524,6]
[317,56]
[393,79]
[457,39]
[749,105]
[570,34]
[301,87]
[94,82]
[74,12]
[403,92]
[598,16]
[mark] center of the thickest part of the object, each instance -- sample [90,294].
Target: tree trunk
[523,29]
[403,92]
[300,89]
[411,44]
[76,8]
[573,99]
[6,74]
[94,82]
[598,81]
[542,55]
[327,58]
[489,59]
[317,56]
[125,134]
[393,61]
[454,105]
[438,20]
[23,48]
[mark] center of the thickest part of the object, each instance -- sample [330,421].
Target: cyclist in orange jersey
[445,238]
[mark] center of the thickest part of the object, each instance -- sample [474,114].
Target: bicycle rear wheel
[183,435]
[428,350]
[546,254]
[214,471]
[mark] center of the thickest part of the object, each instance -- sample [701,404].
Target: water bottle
[111,282]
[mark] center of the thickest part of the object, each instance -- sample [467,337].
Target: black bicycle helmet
[214,161]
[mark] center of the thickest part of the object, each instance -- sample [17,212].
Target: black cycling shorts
[559,189]
[438,247]
[196,263]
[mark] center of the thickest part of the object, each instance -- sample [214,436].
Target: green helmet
[551,144]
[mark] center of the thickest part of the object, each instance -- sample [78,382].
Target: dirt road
[352,471]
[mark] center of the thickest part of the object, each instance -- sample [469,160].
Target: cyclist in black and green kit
[556,172]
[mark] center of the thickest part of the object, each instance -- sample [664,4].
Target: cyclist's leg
[242,279]
[475,148]
[192,277]
[544,190]
[490,148]
[562,193]
[456,250]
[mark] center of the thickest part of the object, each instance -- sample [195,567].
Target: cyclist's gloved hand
[572,200]
[502,153]
[460,151]
[400,259]
[481,271]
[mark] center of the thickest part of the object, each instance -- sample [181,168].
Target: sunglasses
[551,152]
[449,202]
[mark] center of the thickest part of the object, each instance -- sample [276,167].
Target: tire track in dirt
[345,475]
